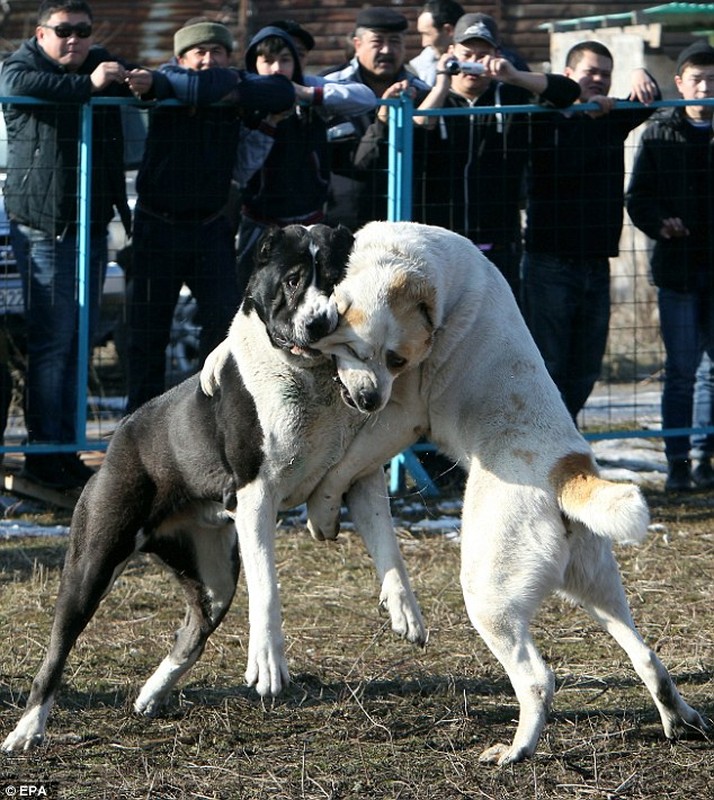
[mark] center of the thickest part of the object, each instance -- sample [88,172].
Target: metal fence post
[84,203]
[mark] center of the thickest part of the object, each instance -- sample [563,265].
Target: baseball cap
[700,52]
[476,26]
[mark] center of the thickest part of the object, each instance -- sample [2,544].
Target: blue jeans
[687,326]
[48,268]
[703,443]
[566,304]
[166,255]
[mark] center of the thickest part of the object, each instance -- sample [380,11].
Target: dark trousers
[166,255]
[567,309]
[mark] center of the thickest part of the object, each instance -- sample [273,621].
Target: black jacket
[472,167]
[43,152]
[191,149]
[673,176]
[576,182]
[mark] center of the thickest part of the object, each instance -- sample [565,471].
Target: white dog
[431,338]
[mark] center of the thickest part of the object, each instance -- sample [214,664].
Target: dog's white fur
[431,337]
[298,451]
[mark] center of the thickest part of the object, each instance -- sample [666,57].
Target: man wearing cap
[181,233]
[574,220]
[473,166]
[435,24]
[359,155]
[671,198]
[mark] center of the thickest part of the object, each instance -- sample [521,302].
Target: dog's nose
[368,400]
[319,327]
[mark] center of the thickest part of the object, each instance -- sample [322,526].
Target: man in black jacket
[671,199]
[182,233]
[473,167]
[575,208]
[62,66]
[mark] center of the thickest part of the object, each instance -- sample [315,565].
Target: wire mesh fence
[426,173]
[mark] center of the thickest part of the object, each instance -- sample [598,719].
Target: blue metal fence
[399,182]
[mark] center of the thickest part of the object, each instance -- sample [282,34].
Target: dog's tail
[616,511]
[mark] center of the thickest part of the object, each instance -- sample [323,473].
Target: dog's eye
[394,360]
[292,281]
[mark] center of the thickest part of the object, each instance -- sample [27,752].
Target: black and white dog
[186,471]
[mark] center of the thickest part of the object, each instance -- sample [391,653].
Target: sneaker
[48,470]
[679,477]
[703,474]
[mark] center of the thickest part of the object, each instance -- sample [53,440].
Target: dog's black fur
[169,469]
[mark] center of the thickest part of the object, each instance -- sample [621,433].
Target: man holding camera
[471,180]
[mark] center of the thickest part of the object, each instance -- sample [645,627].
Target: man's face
[205,56]
[380,52]
[437,38]
[71,51]
[594,74]
[281,64]
[696,83]
[471,50]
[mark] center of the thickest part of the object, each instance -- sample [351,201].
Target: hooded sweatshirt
[292,182]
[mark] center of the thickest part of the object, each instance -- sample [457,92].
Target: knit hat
[700,53]
[476,26]
[201,33]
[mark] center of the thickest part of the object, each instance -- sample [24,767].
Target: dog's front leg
[385,435]
[368,502]
[256,516]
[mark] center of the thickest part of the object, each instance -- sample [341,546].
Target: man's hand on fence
[139,81]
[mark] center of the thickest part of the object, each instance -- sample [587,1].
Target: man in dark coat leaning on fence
[60,65]
[181,231]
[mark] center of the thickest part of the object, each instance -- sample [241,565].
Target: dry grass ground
[367,716]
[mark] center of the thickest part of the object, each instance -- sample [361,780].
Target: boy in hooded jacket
[290,186]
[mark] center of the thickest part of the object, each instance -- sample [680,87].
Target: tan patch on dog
[412,299]
[527,456]
[354,317]
[574,478]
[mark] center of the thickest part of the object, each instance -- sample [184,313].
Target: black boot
[679,476]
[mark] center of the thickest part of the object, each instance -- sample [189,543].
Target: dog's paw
[212,366]
[684,721]
[149,706]
[323,516]
[404,611]
[267,668]
[28,734]
[497,754]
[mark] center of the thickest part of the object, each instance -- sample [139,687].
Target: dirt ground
[367,715]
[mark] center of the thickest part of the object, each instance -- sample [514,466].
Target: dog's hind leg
[508,567]
[206,564]
[100,544]
[592,580]
[368,502]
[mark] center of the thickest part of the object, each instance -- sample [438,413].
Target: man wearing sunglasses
[61,65]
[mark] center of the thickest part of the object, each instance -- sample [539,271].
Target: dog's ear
[342,240]
[267,243]
[413,290]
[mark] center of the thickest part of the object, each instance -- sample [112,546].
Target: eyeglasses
[64,30]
